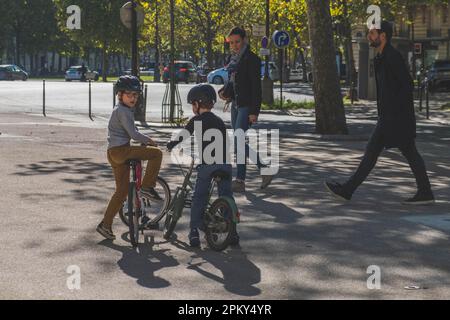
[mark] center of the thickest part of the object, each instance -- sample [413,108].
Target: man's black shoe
[338,191]
[420,199]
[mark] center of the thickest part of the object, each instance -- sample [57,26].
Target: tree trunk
[59,62]
[104,62]
[209,40]
[119,64]
[350,61]
[330,113]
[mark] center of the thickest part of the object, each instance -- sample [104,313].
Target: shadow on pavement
[138,262]
[239,274]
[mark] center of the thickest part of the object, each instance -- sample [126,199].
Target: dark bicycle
[220,217]
[139,212]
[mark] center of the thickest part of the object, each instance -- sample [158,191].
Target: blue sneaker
[194,238]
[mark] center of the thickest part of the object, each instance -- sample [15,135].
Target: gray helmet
[127,83]
[203,93]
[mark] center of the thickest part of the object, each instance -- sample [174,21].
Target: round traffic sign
[281,39]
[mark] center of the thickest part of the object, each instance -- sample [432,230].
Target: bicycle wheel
[173,214]
[154,209]
[219,225]
[133,215]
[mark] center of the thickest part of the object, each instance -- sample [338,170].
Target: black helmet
[127,83]
[203,93]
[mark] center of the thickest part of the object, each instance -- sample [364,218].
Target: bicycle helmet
[128,83]
[202,93]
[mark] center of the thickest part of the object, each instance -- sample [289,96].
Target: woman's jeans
[239,120]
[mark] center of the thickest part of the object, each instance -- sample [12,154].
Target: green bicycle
[220,216]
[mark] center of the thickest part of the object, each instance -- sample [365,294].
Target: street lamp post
[267,83]
[157,74]
[172,60]
[134,53]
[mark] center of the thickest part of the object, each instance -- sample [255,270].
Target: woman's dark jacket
[247,86]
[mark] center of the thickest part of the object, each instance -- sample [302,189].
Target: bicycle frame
[179,203]
[136,176]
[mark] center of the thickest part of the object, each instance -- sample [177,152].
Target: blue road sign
[281,39]
[202,50]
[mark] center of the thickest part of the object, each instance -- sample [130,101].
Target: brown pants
[117,157]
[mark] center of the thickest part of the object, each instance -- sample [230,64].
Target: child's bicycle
[220,217]
[138,212]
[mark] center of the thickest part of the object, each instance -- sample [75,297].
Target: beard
[375,43]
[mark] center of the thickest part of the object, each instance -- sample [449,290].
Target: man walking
[396,126]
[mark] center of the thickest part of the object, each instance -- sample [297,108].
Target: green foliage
[289,105]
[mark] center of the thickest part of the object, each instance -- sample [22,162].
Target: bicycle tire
[155,217]
[173,214]
[169,225]
[219,225]
[133,215]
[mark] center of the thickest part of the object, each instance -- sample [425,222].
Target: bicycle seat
[220,174]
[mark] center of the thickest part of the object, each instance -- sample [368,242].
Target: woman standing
[244,90]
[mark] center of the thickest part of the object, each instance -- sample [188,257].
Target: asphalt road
[297,242]
[73,98]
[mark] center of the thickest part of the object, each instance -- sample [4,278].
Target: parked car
[143,71]
[12,72]
[438,75]
[185,71]
[74,73]
[220,76]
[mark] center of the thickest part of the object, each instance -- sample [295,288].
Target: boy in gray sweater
[121,130]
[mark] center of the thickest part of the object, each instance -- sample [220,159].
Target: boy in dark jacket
[203,97]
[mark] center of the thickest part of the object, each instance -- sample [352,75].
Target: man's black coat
[396,118]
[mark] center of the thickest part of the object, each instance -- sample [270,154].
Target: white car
[74,73]
[220,76]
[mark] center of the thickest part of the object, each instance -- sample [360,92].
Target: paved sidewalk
[297,241]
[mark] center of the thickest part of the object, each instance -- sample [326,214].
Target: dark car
[438,75]
[185,71]
[12,72]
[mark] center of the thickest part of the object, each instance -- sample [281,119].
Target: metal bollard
[90,101]
[420,97]
[427,101]
[43,98]
[145,97]
[114,97]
